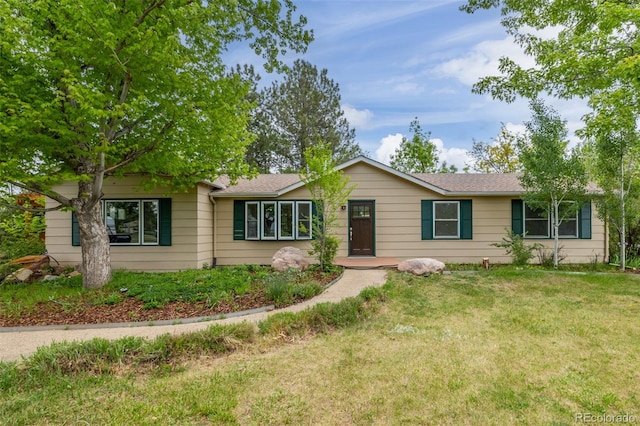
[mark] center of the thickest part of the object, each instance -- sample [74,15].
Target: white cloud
[458,157]
[357,118]
[518,129]
[483,60]
[388,146]
[452,156]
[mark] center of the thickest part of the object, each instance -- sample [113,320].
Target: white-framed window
[277,220]
[303,215]
[446,219]
[568,213]
[269,220]
[286,229]
[537,223]
[252,220]
[132,222]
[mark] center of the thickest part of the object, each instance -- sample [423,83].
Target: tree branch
[132,156]
[31,209]
[64,201]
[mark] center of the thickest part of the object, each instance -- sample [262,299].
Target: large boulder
[289,258]
[422,266]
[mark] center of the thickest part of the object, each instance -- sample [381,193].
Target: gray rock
[421,266]
[289,258]
[50,277]
[23,274]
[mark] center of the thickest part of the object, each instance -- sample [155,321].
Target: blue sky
[395,60]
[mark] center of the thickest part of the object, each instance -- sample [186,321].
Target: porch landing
[366,262]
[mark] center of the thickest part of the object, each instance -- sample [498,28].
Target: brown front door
[361,217]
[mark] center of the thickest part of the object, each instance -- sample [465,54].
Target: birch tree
[553,179]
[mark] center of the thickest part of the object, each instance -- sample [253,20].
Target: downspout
[214,259]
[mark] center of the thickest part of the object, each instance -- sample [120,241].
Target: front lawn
[498,347]
[132,296]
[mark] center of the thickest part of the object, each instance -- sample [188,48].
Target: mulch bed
[129,310]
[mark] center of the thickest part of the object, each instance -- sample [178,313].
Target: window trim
[142,221]
[456,220]
[309,220]
[465,219]
[241,222]
[257,220]
[550,229]
[524,224]
[163,224]
[279,235]
[263,218]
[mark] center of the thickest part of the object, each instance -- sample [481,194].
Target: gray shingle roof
[262,184]
[476,184]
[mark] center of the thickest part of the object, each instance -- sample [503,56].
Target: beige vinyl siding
[191,241]
[204,227]
[232,252]
[398,226]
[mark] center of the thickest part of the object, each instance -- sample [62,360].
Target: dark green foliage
[302,111]
[515,246]
[189,286]
[285,288]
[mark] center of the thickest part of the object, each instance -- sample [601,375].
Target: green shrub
[276,287]
[515,246]
[21,235]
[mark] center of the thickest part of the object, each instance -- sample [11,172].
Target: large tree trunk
[96,256]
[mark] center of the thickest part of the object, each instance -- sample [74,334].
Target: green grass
[497,347]
[158,289]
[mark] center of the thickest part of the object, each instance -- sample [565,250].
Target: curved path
[18,343]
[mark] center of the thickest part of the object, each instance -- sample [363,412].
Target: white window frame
[309,221]
[257,220]
[457,220]
[524,224]
[141,229]
[260,207]
[281,222]
[263,206]
[576,218]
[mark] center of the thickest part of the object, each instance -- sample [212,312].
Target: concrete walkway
[18,343]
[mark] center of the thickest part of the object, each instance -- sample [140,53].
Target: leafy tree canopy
[419,154]
[593,56]
[501,156]
[93,89]
[552,178]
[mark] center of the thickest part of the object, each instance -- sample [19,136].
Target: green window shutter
[584,221]
[517,219]
[75,230]
[466,223]
[164,239]
[238,220]
[426,219]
